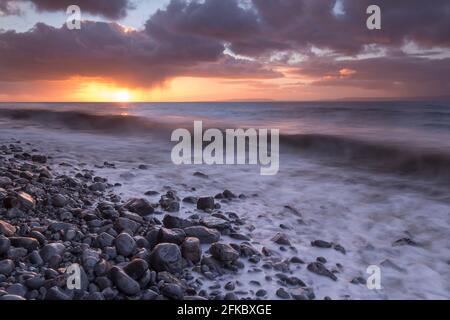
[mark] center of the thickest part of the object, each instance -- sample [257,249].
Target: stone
[173,222]
[97,187]
[55,293]
[125,244]
[124,282]
[105,240]
[205,203]
[5,182]
[10,297]
[17,289]
[319,269]
[26,201]
[215,223]
[5,244]
[6,267]
[171,235]
[7,229]
[223,252]
[190,199]
[281,239]
[172,291]
[59,201]
[24,242]
[190,249]
[136,268]
[205,235]
[281,293]
[166,257]
[140,206]
[321,244]
[39,158]
[50,250]
[90,258]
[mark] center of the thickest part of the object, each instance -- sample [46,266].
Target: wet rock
[17,289]
[171,235]
[205,203]
[39,158]
[105,240]
[59,201]
[97,186]
[200,175]
[223,252]
[339,248]
[90,258]
[7,229]
[125,244]
[281,239]
[228,194]
[5,182]
[6,267]
[173,222]
[205,235]
[321,244]
[261,293]
[24,242]
[190,249]
[136,268]
[190,199]
[166,257]
[26,201]
[303,294]
[140,206]
[124,282]
[404,242]
[172,291]
[282,293]
[5,244]
[319,269]
[215,223]
[51,250]
[10,297]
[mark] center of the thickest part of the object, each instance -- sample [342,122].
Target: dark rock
[125,244]
[24,242]
[166,257]
[205,203]
[5,244]
[205,235]
[7,229]
[223,252]
[281,239]
[140,206]
[59,201]
[339,248]
[215,223]
[172,222]
[39,158]
[321,244]
[190,249]
[191,200]
[404,242]
[136,268]
[56,293]
[6,267]
[124,282]
[320,269]
[171,235]
[172,291]
[51,250]
[281,293]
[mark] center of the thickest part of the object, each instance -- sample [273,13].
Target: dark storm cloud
[113,9]
[139,58]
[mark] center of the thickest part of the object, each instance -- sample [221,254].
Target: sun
[122,96]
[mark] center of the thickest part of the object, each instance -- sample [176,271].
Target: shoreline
[126,248]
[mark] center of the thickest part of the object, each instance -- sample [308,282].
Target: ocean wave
[86,121]
[403,160]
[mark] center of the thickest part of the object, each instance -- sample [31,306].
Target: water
[361,174]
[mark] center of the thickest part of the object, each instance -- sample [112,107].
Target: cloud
[113,9]
[104,50]
[188,38]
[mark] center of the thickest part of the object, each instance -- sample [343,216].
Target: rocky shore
[125,248]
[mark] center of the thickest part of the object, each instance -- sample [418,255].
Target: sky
[223,50]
